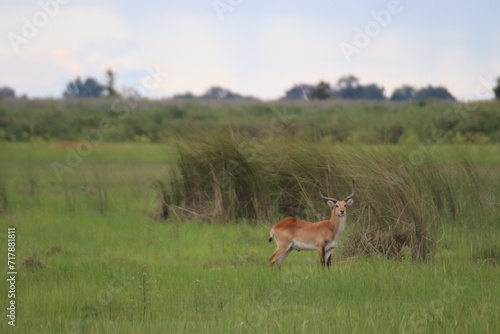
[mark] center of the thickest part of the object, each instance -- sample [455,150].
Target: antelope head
[339,207]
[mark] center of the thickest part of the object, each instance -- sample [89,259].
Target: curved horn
[353,191]
[326,198]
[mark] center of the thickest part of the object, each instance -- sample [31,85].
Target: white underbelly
[302,246]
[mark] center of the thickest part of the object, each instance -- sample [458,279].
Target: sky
[253,47]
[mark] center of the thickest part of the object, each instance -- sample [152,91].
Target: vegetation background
[329,121]
[153,216]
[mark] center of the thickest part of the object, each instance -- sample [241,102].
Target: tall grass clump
[399,201]
[394,214]
[163,210]
[214,180]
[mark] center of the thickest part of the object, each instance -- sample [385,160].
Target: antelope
[293,234]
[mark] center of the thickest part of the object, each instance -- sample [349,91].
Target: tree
[349,87]
[347,82]
[496,89]
[89,88]
[7,92]
[214,92]
[217,92]
[404,93]
[299,92]
[439,93]
[110,87]
[321,91]
[372,92]
[185,96]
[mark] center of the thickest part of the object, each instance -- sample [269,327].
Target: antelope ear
[330,203]
[349,202]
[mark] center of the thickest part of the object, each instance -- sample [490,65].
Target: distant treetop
[214,92]
[299,92]
[347,87]
[496,90]
[404,93]
[88,88]
[430,92]
[6,91]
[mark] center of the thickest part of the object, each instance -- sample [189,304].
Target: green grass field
[91,258]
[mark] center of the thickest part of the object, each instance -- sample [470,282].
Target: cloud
[287,50]
[74,42]
[183,45]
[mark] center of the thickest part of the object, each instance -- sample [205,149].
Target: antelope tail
[271,235]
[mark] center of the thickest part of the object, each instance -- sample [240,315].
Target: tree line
[350,88]
[347,87]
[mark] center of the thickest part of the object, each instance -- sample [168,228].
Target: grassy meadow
[93,257]
[156,219]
